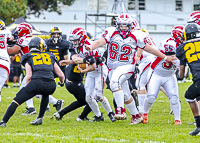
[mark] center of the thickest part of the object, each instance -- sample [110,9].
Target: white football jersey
[23,42]
[159,65]
[82,52]
[5,35]
[122,51]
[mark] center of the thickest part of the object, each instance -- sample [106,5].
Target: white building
[156,16]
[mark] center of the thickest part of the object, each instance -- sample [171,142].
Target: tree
[12,9]
[37,7]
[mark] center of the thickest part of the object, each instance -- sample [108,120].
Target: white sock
[52,99]
[18,84]
[106,105]
[176,110]
[146,106]
[14,84]
[132,108]
[141,98]
[95,108]
[119,98]
[29,103]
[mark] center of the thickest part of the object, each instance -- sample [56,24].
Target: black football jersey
[190,52]
[72,73]
[42,64]
[60,49]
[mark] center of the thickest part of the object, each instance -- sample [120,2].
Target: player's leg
[117,78]
[153,87]
[3,78]
[30,107]
[89,89]
[171,89]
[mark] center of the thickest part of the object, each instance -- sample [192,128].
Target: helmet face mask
[2,24]
[37,44]
[124,20]
[56,34]
[78,37]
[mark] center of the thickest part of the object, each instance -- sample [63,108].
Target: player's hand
[170,59]
[61,84]
[88,47]
[136,69]
[89,60]
[63,62]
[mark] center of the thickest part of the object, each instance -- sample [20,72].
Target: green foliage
[160,128]
[12,9]
[37,7]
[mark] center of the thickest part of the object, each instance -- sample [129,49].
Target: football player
[122,46]
[163,74]
[5,35]
[40,79]
[189,52]
[95,79]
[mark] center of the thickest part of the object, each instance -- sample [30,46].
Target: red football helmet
[27,25]
[194,18]
[78,36]
[124,20]
[177,34]
[23,31]
[135,25]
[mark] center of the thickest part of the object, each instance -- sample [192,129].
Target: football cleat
[57,116]
[2,124]
[145,118]
[30,111]
[120,114]
[136,119]
[178,122]
[195,132]
[59,105]
[98,119]
[37,121]
[82,119]
[193,123]
[111,115]
[47,110]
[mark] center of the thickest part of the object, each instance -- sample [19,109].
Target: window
[179,5]
[168,27]
[103,4]
[196,4]
[151,27]
[132,4]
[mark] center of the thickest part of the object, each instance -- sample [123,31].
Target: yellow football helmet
[2,24]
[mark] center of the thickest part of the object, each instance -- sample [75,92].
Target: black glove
[90,60]
[61,84]
[99,60]
[136,69]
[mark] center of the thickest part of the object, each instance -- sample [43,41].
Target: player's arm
[88,69]
[157,53]
[28,73]
[139,53]
[65,62]
[59,72]
[14,49]
[66,57]
[98,43]
[76,59]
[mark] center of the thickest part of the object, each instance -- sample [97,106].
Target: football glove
[90,60]
[61,84]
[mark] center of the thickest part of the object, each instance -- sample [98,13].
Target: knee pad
[114,86]
[88,98]
[188,97]
[151,99]
[99,97]
[173,100]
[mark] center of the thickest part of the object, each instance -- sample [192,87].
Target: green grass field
[160,128]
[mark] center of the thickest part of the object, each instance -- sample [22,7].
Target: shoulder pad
[25,58]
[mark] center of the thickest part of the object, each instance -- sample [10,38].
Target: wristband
[165,58]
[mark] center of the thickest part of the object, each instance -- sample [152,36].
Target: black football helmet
[56,30]
[191,31]
[37,44]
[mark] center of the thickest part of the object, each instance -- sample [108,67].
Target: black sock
[74,105]
[114,103]
[9,112]
[197,120]
[43,106]
[85,111]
